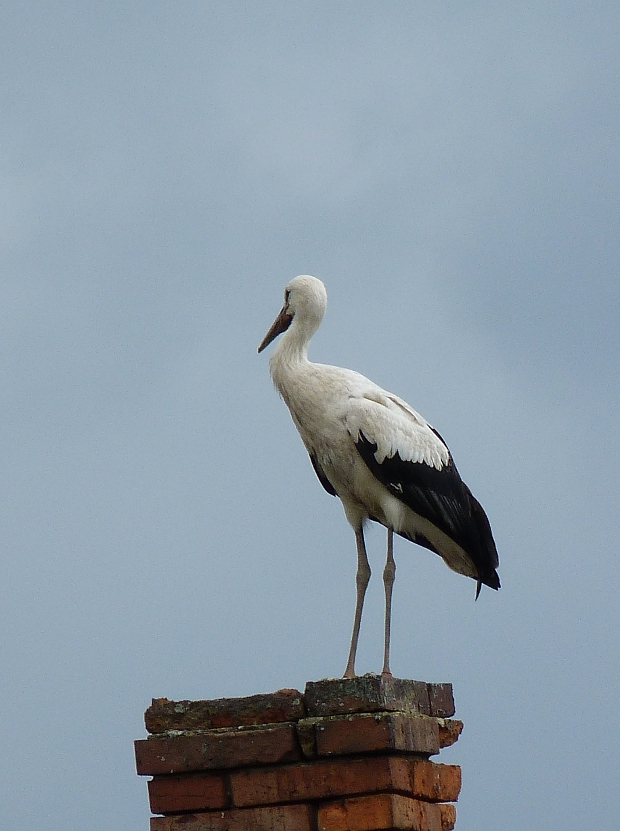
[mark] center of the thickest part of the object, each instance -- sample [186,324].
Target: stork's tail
[490,579]
[488,561]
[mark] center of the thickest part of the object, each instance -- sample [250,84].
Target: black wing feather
[442,498]
[322,477]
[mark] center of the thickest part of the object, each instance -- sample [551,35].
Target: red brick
[449,731]
[381,812]
[346,777]
[283,705]
[435,783]
[225,749]
[319,780]
[417,778]
[369,733]
[192,792]
[275,818]
[366,694]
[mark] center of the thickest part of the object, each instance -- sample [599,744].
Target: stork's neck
[291,353]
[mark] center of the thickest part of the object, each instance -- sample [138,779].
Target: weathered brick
[307,736]
[449,731]
[283,705]
[191,792]
[381,812]
[435,782]
[416,778]
[274,818]
[320,780]
[441,700]
[257,777]
[369,733]
[366,694]
[217,749]
[448,817]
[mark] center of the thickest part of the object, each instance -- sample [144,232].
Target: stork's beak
[280,324]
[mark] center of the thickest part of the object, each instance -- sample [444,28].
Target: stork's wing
[391,424]
[321,474]
[406,455]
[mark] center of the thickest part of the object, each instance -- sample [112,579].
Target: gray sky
[451,173]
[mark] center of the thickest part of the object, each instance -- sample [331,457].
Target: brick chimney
[350,754]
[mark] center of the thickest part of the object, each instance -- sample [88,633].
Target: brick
[448,817]
[449,731]
[319,780]
[217,749]
[275,818]
[346,777]
[364,733]
[435,783]
[306,735]
[417,778]
[366,694]
[441,700]
[193,792]
[271,708]
[382,812]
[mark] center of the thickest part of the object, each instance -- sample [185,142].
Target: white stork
[384,461]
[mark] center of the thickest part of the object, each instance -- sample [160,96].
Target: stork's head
[305,301]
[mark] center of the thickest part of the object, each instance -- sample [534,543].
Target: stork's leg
[361,580]
[389,573]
